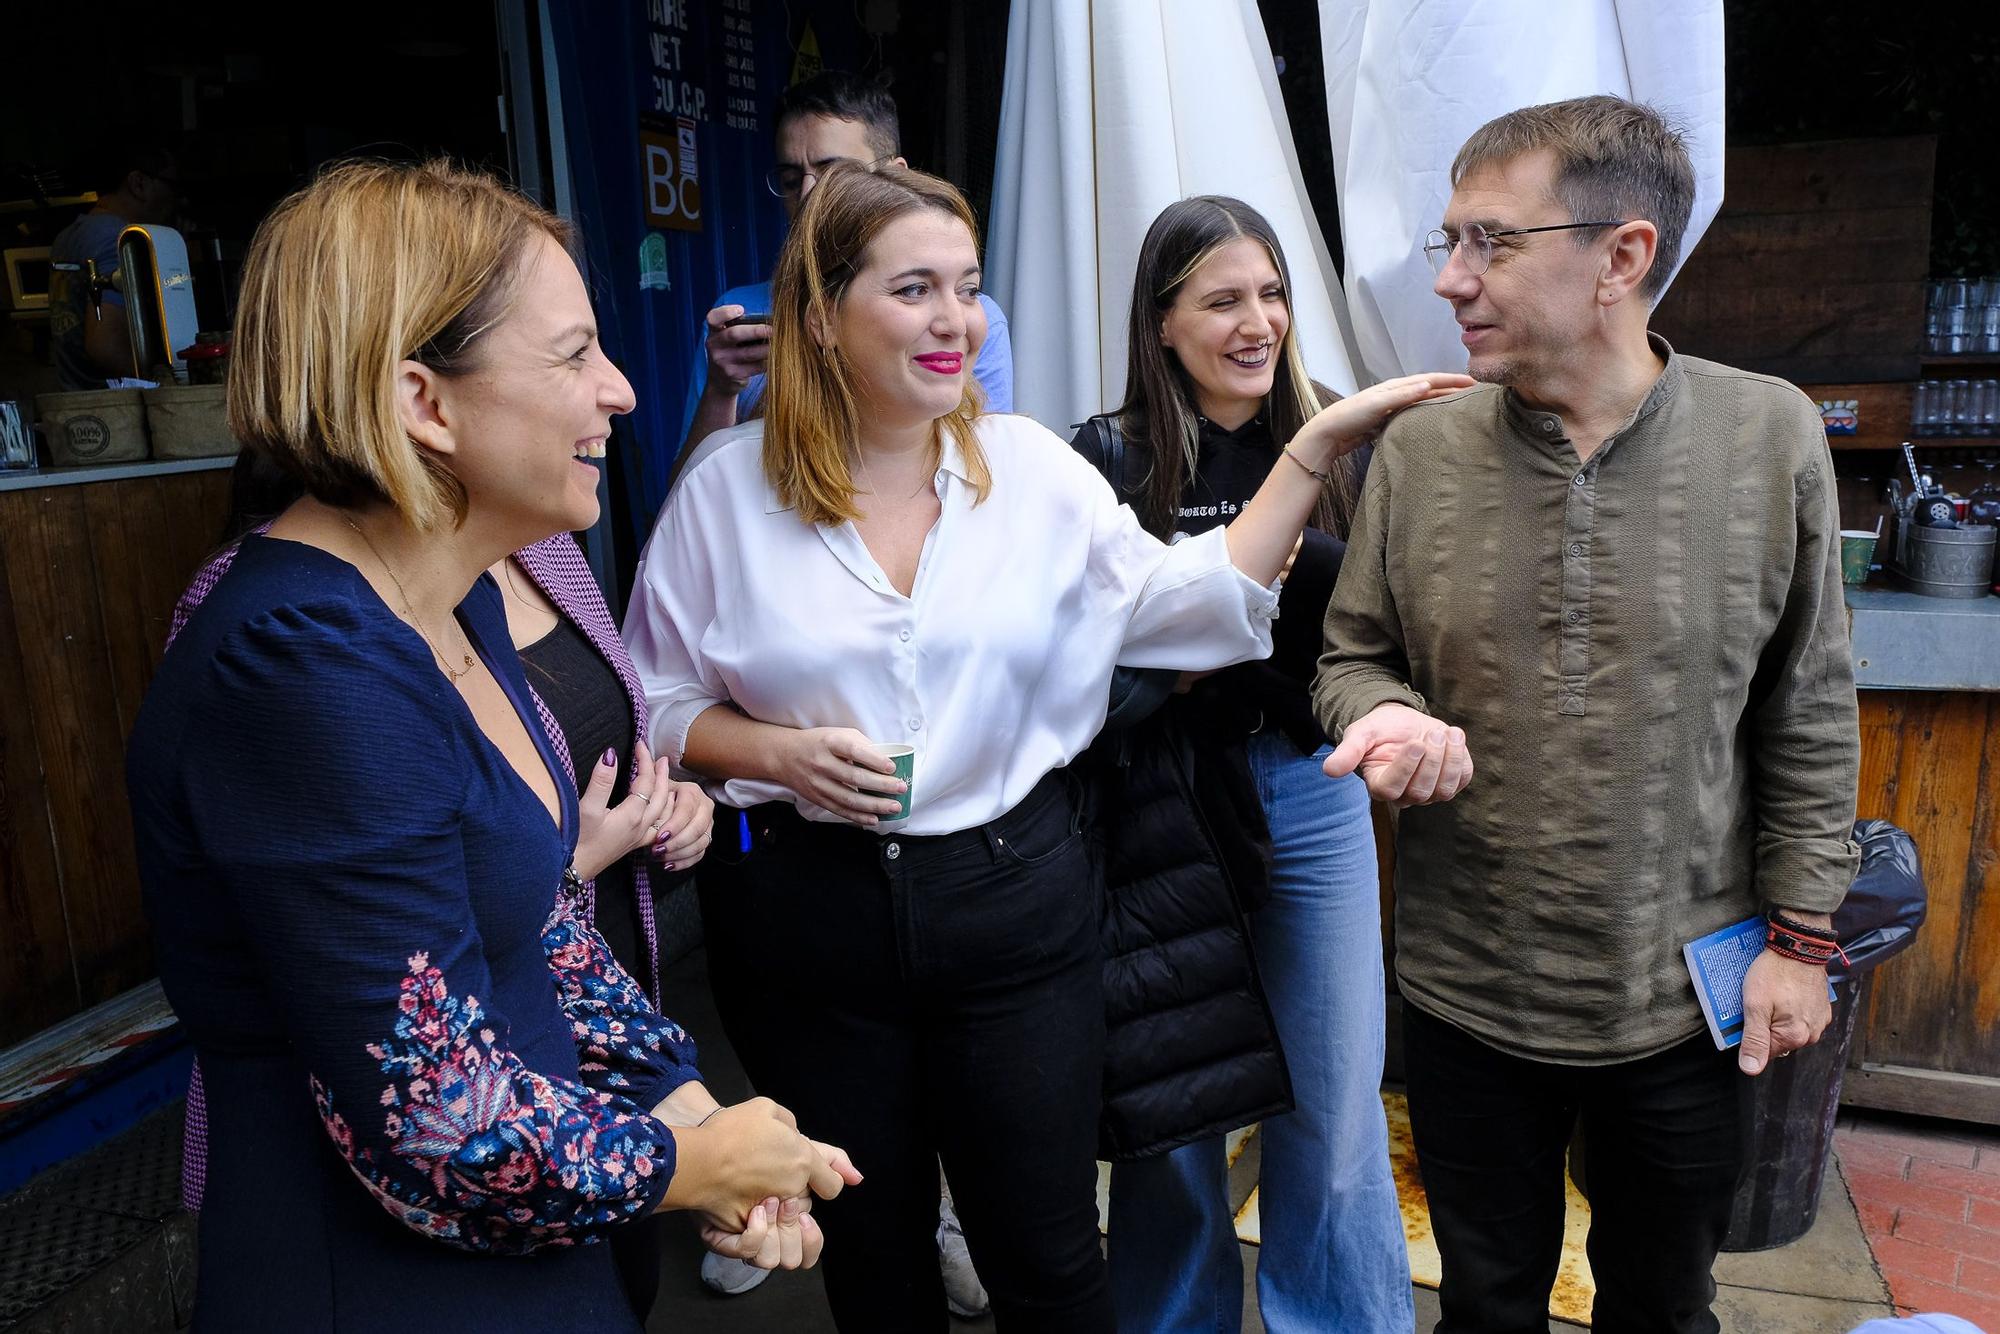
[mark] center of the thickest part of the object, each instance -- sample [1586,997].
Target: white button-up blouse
[997,668]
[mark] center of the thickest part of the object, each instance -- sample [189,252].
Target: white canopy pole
[1114,109]
[1408,81]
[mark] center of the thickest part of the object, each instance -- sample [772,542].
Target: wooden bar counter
[91,562]
[1928,1040]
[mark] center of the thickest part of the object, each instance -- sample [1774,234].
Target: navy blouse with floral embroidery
[417,1052]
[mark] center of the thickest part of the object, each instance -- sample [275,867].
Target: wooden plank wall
[1929,1037]
[88,578]
[1814,269]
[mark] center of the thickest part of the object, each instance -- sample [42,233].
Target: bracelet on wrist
[1786,943]
[704,1120]
[1777,917]
[1323,478]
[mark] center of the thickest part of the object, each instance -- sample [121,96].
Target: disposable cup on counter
[1857,554]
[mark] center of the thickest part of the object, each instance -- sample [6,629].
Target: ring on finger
[643,796]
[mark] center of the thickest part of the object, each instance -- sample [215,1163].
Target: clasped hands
[677,819]
[750,1177]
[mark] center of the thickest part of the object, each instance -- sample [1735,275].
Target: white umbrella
[1408,81]
[1112,110]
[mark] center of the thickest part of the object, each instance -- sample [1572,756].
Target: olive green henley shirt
[1648,653]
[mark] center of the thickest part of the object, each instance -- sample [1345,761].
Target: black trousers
[915,999]
[1664,1138]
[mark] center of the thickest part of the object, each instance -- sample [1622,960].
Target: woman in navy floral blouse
[418,1053]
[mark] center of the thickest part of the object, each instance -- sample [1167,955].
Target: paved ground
[1928,1194]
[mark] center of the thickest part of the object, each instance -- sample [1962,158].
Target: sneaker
[730,1277]
[963,1292]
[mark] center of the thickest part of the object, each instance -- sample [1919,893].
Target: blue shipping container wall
[665,110]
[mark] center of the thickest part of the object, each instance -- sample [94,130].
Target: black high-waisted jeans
[921,998]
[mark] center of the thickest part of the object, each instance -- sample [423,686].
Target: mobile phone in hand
[747,319]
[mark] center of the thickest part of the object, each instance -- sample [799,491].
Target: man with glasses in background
[1611,574]
[831,117]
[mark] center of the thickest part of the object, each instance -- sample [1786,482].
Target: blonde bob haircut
[812,419]
[372,264]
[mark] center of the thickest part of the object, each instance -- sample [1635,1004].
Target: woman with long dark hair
[1217,393]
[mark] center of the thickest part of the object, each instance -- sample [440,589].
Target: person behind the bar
[1611,575]
[876,562]
[429,1085]
[1216,387]
[88,337]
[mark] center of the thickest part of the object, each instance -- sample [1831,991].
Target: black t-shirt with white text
[1229,468]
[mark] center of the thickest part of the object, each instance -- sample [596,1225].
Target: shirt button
[1575,616]
[904,636]
[1581,478]
[1548,424]
[916,724]
[893,851]
[1576,548]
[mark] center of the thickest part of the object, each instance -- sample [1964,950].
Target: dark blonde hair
[1614,159]
[811,419]
[1159,411]
[372,264]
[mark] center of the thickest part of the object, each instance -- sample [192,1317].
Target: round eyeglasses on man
[787,181]
[1474,243]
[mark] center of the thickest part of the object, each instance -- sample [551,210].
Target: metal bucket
[1950,562]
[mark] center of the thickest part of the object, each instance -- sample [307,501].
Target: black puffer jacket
[1192,1048]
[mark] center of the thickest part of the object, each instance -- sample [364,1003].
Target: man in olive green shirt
[1610,578]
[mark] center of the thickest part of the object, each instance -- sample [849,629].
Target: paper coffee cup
[1857,554]
[905,760]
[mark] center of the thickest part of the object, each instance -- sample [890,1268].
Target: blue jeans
[1333,1256]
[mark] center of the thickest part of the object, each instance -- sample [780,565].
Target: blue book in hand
[1717,963]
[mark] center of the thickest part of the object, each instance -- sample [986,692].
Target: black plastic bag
[1886,905]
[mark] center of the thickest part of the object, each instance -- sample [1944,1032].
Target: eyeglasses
[789,182]
[1475,243]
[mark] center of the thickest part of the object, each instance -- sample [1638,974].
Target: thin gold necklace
[869,477]
[409,607]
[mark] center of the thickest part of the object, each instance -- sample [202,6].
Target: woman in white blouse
[877,563]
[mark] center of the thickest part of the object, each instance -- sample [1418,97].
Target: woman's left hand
[690,823]
[1346,424]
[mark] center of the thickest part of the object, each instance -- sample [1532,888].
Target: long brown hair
[811,419]
[1159,412]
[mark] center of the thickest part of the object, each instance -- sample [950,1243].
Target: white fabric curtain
[1112,110]
[1408,81]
